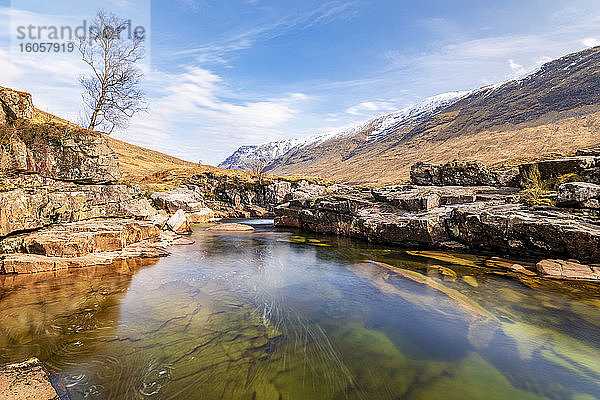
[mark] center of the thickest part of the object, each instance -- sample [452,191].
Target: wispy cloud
[190,119]
[218,50]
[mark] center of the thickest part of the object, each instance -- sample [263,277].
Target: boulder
[461,173]
[231,227]
[159,220]
[579,195]
[179,223]
[31,202]
[26,380]
[561,269]
[15,105]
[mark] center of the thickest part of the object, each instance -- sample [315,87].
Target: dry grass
[156,171]
[390,162]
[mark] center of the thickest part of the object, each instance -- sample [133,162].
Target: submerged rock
[568,270]
[26,380]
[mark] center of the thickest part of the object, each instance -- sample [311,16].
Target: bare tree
[258,168]
[112,91]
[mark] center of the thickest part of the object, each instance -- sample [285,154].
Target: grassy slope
[555,110]
[154,170]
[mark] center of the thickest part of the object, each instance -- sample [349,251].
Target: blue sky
[220,74]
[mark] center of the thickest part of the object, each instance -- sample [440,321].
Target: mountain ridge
[554,109]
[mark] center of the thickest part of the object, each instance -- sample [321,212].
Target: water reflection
[280,315]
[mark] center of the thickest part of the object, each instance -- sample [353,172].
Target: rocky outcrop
[82,244]
[586,167]
[461,173]
[423,198]
[484,224]
[360,216]
[517,230]
[560,269]
[207,196]
[15,105]
[579,195]
[58,152]
[26,380]
[29,202]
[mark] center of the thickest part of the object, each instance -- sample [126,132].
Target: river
[275,314]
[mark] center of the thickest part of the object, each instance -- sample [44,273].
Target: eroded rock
[483,225]
[60,153]
[33,202]
[26,380]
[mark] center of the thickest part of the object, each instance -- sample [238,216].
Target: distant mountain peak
[379,127]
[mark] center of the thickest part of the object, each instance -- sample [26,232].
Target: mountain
[555,109]
[379,127]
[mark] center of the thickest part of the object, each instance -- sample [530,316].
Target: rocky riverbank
[61,202]
[470,217]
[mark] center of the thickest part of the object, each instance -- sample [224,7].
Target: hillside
[556,109]
[153,169]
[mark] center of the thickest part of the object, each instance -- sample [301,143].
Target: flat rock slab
[78,239]
[231,227]
[26,380]
[23,263]
[562,269]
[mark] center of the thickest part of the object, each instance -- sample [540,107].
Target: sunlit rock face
[30,202]
[59,151]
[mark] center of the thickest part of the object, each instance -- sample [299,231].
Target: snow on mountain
[416,113]
[379,128]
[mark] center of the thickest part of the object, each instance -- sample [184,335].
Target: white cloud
[371,107]
[189,118]
[590,42]
[516,68]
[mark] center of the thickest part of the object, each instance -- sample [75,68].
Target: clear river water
[276,314]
